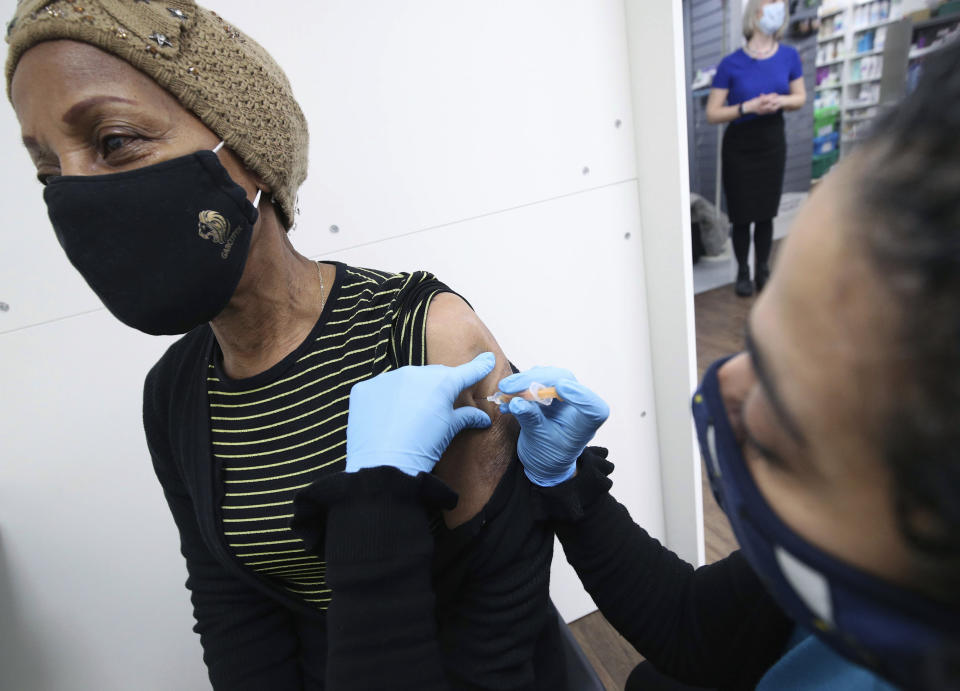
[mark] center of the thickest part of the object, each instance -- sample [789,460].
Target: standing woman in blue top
[752,88]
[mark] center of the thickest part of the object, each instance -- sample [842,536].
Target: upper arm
[476,459]
[716,99]
[798,88]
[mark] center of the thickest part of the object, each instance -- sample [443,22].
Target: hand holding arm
[406,419]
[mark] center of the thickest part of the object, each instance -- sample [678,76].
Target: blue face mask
[889,629]
[773,16]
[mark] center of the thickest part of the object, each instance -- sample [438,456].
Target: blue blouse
[747,77]
[809,665]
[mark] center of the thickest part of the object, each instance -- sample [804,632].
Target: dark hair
[909,201]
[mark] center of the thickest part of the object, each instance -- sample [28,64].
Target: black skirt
[754,156]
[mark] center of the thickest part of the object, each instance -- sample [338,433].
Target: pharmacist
[831,444]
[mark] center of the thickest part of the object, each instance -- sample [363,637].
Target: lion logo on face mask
[214,227]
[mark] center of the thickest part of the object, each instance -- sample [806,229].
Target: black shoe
[763,275]
[744,286]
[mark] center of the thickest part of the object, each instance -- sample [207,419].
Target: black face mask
[163,246]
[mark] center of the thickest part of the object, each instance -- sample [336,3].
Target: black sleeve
[715,626]
[466,610]
[249,641]
[492,578]
[408,329]
[373,529]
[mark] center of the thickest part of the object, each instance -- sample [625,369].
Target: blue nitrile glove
[553,437]
[405,418]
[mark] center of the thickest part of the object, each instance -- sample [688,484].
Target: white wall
[478,141]
[656,29]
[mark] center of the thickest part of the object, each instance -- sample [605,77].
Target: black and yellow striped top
[273,434]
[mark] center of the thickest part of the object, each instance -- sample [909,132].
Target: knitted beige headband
[221,75]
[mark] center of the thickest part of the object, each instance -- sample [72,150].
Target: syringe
[538,393]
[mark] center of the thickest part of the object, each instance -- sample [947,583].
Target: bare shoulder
[454,331]
[476,460]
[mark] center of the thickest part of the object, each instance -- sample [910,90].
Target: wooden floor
[720,318]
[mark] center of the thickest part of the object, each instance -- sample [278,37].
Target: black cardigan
[715,626]
[488,577]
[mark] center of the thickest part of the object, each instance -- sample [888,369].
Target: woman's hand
[764,104]
[405,418]
[753,105]
[773,103]
[553,437]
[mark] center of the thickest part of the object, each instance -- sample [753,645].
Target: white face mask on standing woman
[773,17]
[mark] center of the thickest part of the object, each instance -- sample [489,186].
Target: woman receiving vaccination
[171,149]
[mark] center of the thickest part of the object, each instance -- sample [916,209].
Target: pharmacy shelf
[844,43]
[854,82]
[835,61]
[804,15]
[865,54]
[938,21]
[874,25]
[858,105]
